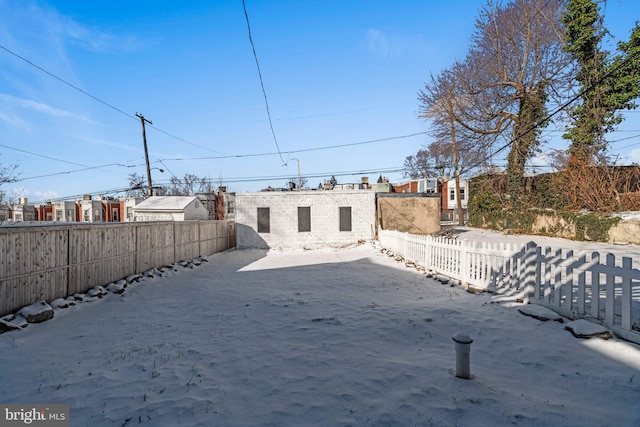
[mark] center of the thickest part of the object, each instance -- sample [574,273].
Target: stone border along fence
[583,285]
[46,262]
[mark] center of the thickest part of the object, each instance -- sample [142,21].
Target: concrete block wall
[325,218]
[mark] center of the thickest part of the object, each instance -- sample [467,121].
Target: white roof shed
[170,208]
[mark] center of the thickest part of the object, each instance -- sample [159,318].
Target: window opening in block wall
[263,220]
[345,218]
[304,219]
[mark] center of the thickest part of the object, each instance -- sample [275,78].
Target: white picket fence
[580,285]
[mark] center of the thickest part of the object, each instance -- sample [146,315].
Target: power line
[327,147]
[76,170]
[264,93]
[161,161]
[42,155]
[626,146]
[237,180]
[95,98]
[316,175]
[539,10]
[181,139]
[78,196]
[537,124]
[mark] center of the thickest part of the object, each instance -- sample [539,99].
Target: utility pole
[146,152]
[298,172]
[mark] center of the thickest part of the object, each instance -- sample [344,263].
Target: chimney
[86,197]
[22,201]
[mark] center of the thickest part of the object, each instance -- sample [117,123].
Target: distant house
[422,185]
[446,187]
[111,210]
[45,212]
[23,212]
[449,201]
[220,206]
[64,211]
[5,212]
[127,204]
[90,210]
[351,186]
[170,208]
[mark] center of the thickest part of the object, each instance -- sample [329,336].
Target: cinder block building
[308,219]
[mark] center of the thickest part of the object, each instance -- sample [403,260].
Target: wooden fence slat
[52,261]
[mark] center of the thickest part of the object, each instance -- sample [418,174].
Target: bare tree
[8,174]
[187,185]
[515,63]
[443,102]
[293,182]
[429,162]
[137,186]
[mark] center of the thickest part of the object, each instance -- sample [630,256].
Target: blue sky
[335,73]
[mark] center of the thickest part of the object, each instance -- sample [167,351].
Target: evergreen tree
[607,84]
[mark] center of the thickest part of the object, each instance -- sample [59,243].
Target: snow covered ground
[478,234]
[331,337]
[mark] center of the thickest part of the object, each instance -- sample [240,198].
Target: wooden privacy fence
[582,285]
[45,262]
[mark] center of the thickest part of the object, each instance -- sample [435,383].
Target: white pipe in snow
[463,355]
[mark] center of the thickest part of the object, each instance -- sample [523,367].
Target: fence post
[465,274]
[538,294]
[557,278]
[610,291]
[68,259]
[568,291]
[173,228]
[404,252]
[582,282]
[626,293]
[529,272]
[595,285]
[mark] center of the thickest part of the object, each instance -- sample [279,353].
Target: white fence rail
[579,285]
